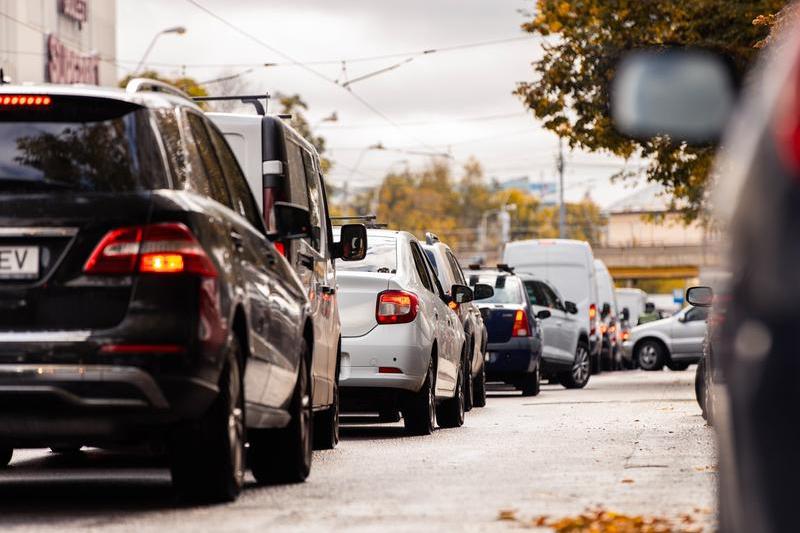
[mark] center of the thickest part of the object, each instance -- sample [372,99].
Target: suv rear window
[507,289]
[79,144]
[381,257]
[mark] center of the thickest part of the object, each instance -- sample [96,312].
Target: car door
[570,325]
[257,258]
[688,330]
[551,327]
[443,318]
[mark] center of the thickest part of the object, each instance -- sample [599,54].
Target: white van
[634,301]
[610,329]
[569,265]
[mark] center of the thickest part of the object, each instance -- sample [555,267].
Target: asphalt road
[633,442]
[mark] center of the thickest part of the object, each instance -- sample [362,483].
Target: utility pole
[562,230]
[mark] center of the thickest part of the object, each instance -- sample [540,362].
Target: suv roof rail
[502,267]
[369,221]
[474,266]
[431,238]
[254,99]
[138,85]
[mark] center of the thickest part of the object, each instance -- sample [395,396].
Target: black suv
[141,298]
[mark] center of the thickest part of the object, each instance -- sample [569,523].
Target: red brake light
[168,248]
[281,248]
[521,328]
[396,307]
[592,311]
[26,100]
[626,335]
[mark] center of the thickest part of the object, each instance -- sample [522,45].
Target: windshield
[79,144]
[381,257]
[507,289]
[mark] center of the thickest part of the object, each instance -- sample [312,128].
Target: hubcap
[648,355]
[580,371]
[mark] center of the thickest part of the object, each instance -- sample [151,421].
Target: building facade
[58,41]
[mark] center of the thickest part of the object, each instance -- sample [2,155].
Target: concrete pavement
[631,441]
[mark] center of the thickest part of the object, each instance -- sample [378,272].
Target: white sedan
[403,348]
[676,341]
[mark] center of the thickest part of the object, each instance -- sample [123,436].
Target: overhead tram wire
[308,69]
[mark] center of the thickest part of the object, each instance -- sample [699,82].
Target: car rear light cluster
[626,335]
[592,318]
[396,307]
[521,327]
[24,100]
[167,248]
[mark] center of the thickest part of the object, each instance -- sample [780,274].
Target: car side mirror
[543,314]
[700,296]
[461,294]
[688,95]
[571,308]
[352,245]
[606,310]
[292,221]
[626,314]
[482,291]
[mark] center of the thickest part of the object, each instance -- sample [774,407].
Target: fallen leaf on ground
[627,480]
[507,514]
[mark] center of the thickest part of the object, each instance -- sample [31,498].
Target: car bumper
[627,350]
[394,357]
[516,356]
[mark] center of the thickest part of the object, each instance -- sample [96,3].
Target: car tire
[578,376]
[531,383]
[650,355]
[677,367]
[699,387]
[479,388]
[326,422]
[5,456]
[419,411]
[450,412]
[284,455]
[207,456]
[468,401]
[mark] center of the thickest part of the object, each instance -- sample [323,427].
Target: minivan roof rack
[138,85]
[368,220]
[254,99]
[431,238]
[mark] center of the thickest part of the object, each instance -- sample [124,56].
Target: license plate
[19,262]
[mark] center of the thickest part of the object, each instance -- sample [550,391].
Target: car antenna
[2,77]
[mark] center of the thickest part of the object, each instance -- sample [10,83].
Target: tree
[584,39]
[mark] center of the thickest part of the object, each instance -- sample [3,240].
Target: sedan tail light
[168,248]
[396,307]
[521,327]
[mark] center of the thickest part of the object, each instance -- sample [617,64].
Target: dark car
[141,298]
[514,344]
[280,165]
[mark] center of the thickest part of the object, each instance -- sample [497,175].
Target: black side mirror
[544,313]
[571,308]
[461,294]
[352,245]
[292,221]
[700,296]
[606,310]
[483,291]
[626,314]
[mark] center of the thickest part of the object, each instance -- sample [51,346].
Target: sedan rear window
[507,289]
[79,144]
[381,257]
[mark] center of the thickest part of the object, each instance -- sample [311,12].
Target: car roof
[153,99]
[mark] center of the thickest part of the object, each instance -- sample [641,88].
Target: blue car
[514,350]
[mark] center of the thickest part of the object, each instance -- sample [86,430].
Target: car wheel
[207,457]
[326,423]
[450,412]
[284,455]
[650,355]
[5,456]
[468,401]
[479,388]
[419,412]
[699,387]
[677,367]
[531,383]
[578,376]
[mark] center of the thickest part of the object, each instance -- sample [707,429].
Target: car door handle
[238,240]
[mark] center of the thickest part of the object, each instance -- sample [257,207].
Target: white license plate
[19,262]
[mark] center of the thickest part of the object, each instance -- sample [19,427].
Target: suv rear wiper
[8,183]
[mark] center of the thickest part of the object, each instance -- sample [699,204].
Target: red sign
[65,65]
[75,9]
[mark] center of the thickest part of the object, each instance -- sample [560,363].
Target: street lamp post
[180,30]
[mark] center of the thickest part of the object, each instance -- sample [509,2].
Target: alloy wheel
[648,356]
[236,426]
[582,367]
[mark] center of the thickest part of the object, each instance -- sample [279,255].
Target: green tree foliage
[584,39]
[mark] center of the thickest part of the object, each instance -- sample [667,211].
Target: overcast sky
[458,101]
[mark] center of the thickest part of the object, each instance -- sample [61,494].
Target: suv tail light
[396,307]
[521,327]
[168,248]
[592,317]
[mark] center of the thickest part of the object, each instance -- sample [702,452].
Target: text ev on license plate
[19,262]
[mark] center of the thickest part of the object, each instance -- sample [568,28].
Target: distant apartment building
[58,41]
